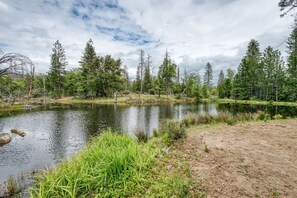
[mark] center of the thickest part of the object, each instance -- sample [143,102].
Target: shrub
[141,136]
[12,186]
[172,131]
[178,96]
[277,117]
[263,116]
[186,122]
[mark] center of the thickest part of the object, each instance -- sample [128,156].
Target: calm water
[53,135]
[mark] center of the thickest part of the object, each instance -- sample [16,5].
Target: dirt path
[245,160]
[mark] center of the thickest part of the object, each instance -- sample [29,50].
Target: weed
[155,133]
[277,117]
[12,186]
[172,131]
[263,116]
[141,136]
[206,149]
[275,193]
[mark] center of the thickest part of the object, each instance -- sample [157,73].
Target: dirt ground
[245,160]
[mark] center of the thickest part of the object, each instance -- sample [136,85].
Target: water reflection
[53,135]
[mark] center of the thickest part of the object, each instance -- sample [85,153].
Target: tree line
[260,75]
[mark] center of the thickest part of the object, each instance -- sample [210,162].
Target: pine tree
[287,4]
[292,51]
[273,70]
[291,81]
[221,91]
[208,75]
[147,79]
[141,69]
[57,69]
[247,81]
[230,73]
[87,64]
[167,72]
[138,80]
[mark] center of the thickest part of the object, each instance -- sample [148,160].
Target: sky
[194,32]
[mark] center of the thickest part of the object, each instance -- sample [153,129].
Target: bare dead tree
[14,63]
[287,6]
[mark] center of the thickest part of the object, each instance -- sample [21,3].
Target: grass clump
[206,149]
[12,186]
[277,117]
[263,116]
[113,165]
[141,136]
[172,131]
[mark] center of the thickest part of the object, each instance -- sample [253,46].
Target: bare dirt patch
[245,160]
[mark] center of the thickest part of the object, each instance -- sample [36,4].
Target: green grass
[254,102]
[222,117]
[171,176]
[116,165]
[113,165]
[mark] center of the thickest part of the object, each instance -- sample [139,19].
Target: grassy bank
[132,99]
[116,165]
[253,102]
[113,165]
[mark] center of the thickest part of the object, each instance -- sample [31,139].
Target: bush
[178,96]
[263,116]
[186,122]
[277,117]
[172,131]
[141,136]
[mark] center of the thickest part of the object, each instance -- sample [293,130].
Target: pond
[56,134]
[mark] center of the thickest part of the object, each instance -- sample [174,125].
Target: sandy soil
[245,160]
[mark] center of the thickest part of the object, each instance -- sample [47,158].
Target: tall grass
[113,165]
[222,117]
[12,186]
[172,130]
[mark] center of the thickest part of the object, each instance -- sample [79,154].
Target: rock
[5,138]
[18,132]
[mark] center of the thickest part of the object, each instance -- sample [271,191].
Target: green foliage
[263,116]
[140,135]
[192,84]
[178,96]
[208,75]
[112,165]
[277,117]
[170,186]
[222,117]
[205,91]
[167,73]
[57,70]
[172,131]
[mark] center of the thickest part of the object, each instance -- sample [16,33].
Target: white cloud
[193,31]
